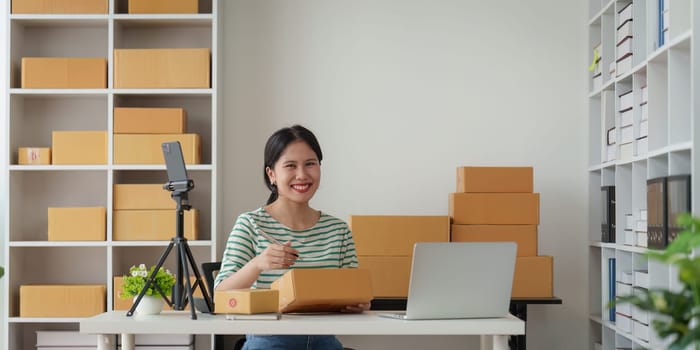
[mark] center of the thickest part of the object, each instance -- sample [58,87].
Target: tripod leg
[198,281]
[151,278]
[183,259]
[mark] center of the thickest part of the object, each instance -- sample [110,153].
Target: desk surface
[367,323]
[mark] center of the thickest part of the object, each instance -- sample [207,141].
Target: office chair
[210,269]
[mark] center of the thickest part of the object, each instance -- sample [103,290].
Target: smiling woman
[287,233]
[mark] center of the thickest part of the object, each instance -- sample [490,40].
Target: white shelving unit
[671,76]
[31,116]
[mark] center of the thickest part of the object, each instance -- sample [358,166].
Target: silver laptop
[459,280]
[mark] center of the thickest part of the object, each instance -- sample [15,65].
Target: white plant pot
[149,305]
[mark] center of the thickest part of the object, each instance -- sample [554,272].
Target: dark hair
[278,142]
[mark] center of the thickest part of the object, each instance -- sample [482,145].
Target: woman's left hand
[355,309]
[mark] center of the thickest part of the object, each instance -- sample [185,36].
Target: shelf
[167,19]
[58,92]
[597,16]
[15,167]
[596,318]
[40,20]
[143,167]
[44,319]
[173,92]
[156,243]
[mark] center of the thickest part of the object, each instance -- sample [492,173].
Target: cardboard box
[79,147]
[64,73]
[533,277]
[161,68]
[163,6]
[494,179]
[51,339]
[246,301]
[34,156]
[320,290]
[152,225]
[495,208]
[377,235]
[142,196]
[145,148]
[390,274]
[525,236]
[62,300]
[132,120]
[77,224]
[60,6]
[119,303]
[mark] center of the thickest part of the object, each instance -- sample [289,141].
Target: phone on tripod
[175,167]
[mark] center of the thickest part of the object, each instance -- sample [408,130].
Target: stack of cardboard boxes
[384,245]
[498,204]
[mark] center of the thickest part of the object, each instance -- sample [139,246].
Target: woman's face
[297,173]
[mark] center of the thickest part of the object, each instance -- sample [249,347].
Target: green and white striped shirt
[327,244]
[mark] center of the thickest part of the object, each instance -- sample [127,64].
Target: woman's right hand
[277,256]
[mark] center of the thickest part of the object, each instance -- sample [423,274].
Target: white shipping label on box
[623,323]
[627,117]
[625,14]
[645,94]
[624,31]
[667,18]
[624,48]
[642,240]
[643,216]
[623,289]
[641,279]
[626,101]
[642,146]
[627,151]
[645,111]
[644,128]
[629,237]
[641,331]
[627,133]
[623,66]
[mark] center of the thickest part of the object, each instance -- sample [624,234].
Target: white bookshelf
[670,74]
[31,116]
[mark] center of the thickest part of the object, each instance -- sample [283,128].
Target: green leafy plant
[2,271]
[137,277]
[678,311]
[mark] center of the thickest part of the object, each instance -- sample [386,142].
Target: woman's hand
[276,256]
[356,309]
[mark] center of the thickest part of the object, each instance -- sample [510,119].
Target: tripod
[184,257]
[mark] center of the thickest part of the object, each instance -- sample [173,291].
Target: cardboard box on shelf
[162,68]
[246,301]
[386,235]
[525,236]
[533,277]
[77,224]
[60,6]
[390,274]
[62,300]
[152,225]
[34,156]
[163,6]
[320,290]
[79,147]
[137,120]
[142,196]
[64,73]
[495,208]
[494,179]
[146,148]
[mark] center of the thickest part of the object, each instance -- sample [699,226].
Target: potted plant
[678,311]
[135,281]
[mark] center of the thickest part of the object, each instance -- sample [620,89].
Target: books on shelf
[612,136]
[630,238]
[627,134]
[624,65]
[624,48]
[625,14]
[641,225]
[624,31]
[661,9]
[627,118]
[626,100]
[624,323]
[626,277]
[641,279]
[629,222]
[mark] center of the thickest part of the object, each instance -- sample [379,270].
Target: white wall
[401,92]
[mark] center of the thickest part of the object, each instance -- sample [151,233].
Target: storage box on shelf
[640,130]
[80,169]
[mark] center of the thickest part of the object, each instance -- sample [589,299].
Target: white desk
[494,332]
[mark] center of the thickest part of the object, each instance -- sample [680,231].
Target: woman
[308,237]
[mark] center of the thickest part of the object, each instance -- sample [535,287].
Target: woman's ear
[270,175]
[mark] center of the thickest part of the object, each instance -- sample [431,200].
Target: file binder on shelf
[657,234]
[608,214]
[677,202]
